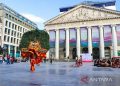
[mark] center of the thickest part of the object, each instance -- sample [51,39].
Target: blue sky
[40,11]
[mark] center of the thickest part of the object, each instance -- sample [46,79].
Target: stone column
[114,40]
[47,54]
[67,42]
[89,41]
[57,45]
[102,49]
[78,42]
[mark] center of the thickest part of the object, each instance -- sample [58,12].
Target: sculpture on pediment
[83,13]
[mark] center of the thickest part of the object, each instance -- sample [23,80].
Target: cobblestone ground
[58,74]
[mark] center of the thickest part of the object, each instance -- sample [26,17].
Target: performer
[32,57]
[34,46]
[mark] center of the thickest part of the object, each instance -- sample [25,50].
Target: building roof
[3,6]
[90,3]
[76,15]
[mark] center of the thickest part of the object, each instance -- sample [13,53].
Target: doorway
[85,50]
[74,53]
[107,52]
[96,53]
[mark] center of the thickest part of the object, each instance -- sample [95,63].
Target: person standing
[1,60]
[8,59]
[51,59]
[68,58]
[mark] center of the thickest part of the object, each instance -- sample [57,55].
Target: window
[9,16]
[4,38]
[14,40]
[21,29]
[18,28]
[6,23]
[15,19]
[15,27]
[8,39]
[18,35]
[12,33]
[15,34]
[17,41]
[9,24]
[12,26]
[12,18]
[5,30]
[6,15]
[11,39]
[8,31]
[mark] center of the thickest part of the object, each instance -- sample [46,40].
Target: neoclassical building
[84,29]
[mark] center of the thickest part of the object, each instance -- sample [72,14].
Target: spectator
[8,59]
[1,60]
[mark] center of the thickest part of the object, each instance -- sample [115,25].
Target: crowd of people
[112,62]
[7,59]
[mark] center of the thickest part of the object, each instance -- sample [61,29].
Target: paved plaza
[58,74]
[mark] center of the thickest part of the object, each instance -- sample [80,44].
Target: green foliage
[33,35]
[1,50]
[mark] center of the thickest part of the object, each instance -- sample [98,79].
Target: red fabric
[32,62]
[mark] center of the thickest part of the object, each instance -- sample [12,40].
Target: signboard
[86,57]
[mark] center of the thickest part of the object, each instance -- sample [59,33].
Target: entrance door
[96,54]
[74,54]
[85,50]
[107,52]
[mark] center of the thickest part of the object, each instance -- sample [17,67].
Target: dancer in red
[34,45]
[36,56]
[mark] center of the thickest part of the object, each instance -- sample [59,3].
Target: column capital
[77,27]
[89,27]
[56,29]
[100,26]
[113,25]
[66,28]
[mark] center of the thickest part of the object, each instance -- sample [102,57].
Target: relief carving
[83,14]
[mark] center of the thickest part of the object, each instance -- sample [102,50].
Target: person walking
[68,59]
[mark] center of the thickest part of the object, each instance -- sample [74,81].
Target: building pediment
[83,13]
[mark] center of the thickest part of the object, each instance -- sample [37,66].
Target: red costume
[35,57]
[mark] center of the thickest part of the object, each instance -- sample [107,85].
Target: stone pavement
[58,74]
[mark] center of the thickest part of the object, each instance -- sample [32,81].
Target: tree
[1,50]
[35,35]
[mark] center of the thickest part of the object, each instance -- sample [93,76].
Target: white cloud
[33,18]
[38,20]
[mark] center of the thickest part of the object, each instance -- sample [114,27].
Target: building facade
[84,29]
[12,27]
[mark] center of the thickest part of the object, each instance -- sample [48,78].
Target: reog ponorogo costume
[34,48]
[34,53]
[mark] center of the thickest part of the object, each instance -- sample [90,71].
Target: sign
[86,57]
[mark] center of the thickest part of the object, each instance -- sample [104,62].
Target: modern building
[85,29]
[12,27]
